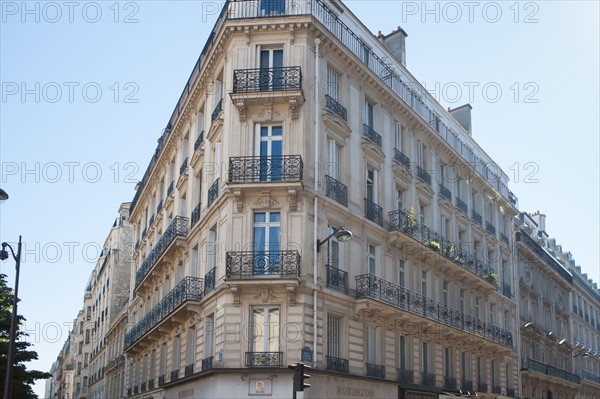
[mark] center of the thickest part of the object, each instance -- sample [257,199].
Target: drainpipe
[316,200]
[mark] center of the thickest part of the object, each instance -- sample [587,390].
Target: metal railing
[401,158]
[196,214]
[335,107]
[159,207]
[375,370]
[177,228]
[188,289]
[209,280]
[461,205]
[337,364]
[450,382]
[476,217]
[262,264]
[336,190]
[482,387]
[467,386]
[445,192]
[213,192]
[171,188]
[189,370]
[337,279]
[161,380]
[371,286]
[184,166]
[174,375]
[490,228]
[542,368]
[586,375]
[510,392]
[207,363]
[373,212]
[217,111]
[199,141]
[406,223]
[504,238]
[496,389]
[371,135]
[267,79]
[406,376]
[255,169]
[264,359]
[428,379]
[506,290]
[423,175]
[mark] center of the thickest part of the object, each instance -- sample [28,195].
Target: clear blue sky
[533,70]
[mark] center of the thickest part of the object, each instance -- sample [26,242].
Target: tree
[22,377]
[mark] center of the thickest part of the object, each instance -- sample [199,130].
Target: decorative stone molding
[265,294]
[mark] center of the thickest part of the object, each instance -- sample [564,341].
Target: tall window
[461,300]
[267,241]
[333,84]
[402,353]
[264,332]
[477,301]
[371,259]
[425,358]
[333,249]
[372,189]
[269,146]
[212,247]
[420,154]
[444,226]
[372,345]
[152,371]
[209,335]
[401,274]
[424,283]
[480,371]
[333,164]
[271,64]
[176,352]
[399,198]
[422,213]
[191,345]
[398,133]
[369,114]
[194,262]
[333,335]
[445,292]
[448,362]
[464,366]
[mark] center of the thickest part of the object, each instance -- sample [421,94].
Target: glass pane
[276,131]
[273,330]
[257,339]
[260,217]
[274,217]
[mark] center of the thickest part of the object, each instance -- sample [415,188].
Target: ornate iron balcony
[136,389]
[188,289]
[423,176]
[401,158]
[510,392]
[428,379]
[217,111]
[467,386]
[129,392]
[476,217]
[337,364]
[262,264]
[337,279]
[267,79]
[506,290]
[482,387]
[264,359]
[213,192]
[189,370]
[199,141]
[196,214]
[450,382]
[504,238]
[375,370]
[143,387]
[542,368]
[151,384]
[373,212]
[174,375]
[586,375]
[336,190]
[496,389]
[406,376]
[207,363]
[184,166]
[151,222]
[177,228]
[335,107]
[161,380]
[490,228]
[445,192]
[371,286]
[159,207]
[461,205]
[255,169]
[171,189]
[209,280]
[372,135]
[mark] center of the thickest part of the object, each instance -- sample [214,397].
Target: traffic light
[300,376]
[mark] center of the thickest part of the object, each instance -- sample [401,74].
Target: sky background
[101,80]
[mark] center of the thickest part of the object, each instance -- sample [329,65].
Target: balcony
[461,205]
[174,375]
[445,192]
[404,222]
[177,228]
[171,189]
[405,376]
[337,364]
[542,368]
[209,280]
[259,169]
[196,215]
[428,379]
[217,111]
[490,228]
[213,192]
[467,386]
[401,158]
[504,238]
[423,176]
[510,392]
[262,264]
[143,387]
[496,390]
[373,212]
[260,80]
[151,384]
[264,359]
[371,286]
[482,387]
[371,135]
[336,107]
[189,370]
[336,190]
[161,380]
[188,289]
[207,363]
[184,166]
[199,141]
[337,279]
[450,382]
[159,207]
[586,375]
[506,290]
[476,217]
[375,370]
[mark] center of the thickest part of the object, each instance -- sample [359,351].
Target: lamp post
[342,234]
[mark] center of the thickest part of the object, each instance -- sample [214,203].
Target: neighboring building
[558,312]
[297,121]
[82,326]
[115,365]
[64,373]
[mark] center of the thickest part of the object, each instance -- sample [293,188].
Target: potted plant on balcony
[409,222]
[433,245]
[493,278]
[449,249]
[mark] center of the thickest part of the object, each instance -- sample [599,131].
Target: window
[372,345]
[480,370]
[371,259]
[445,292]
[477,300]
[364,55]
[492,311]
[333,84]
[194,262]
[444,226]
[191,345]
[425,358]
[272,7]
[333,249]
[464,366]
[461,301]
[211,248]
[459,190]
[420,154]
[371,183]
[399,198]
[176,353]
[162,367]
[269,146]
[264,332]
[267,241]
[209,335]
[402,353]
[152,370]
[333,336]
[271,64]
[448,362]
[333,164]
[442,173]
[424,283]
[401,275]
[369,114]
[398,132]
[422,213]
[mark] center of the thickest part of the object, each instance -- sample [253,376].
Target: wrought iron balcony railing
[151,384]
[337,364]
[189,370]
[423,175]
[496,389]
[213,192]
[542,368]
[467,386]
[406,376]
[207,363]
[171,189]
[461,205]
[174,375]
[401,158]
[476,217]
[482,387]
[217,111]
[504,238]
[264,359]
[199,141]
[402,221]
[490,228]
[510,392]
[445,192]
[428,379]
[267,79]
[188,289]
[159,207]
[335,107]
[184,166]
[372,135]
[209,280]
[196,214]
[450,382]
[586,375]
[262,264]
[336,190]
[375,370]
[506,290]
[371,286]
[337,279]
[177,228]
[373,212]
[161,380]
[143,387]
[255,169]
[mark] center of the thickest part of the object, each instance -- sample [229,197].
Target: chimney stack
[395,43]
[462,115]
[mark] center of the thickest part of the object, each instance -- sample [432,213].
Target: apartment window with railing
[445,296]
[333,161]
[399,199]
[424,283]
[373,349]
[333,249]
[369,118]
[402,353]
[333,335]
[399,136]
[191,345]
[492,317]
[401,274]
[444,226]
[209,335]
[333,84]
[264,332]
[423,213]
[371,259]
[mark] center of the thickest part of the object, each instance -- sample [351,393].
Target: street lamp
[3,195]
[342,235]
